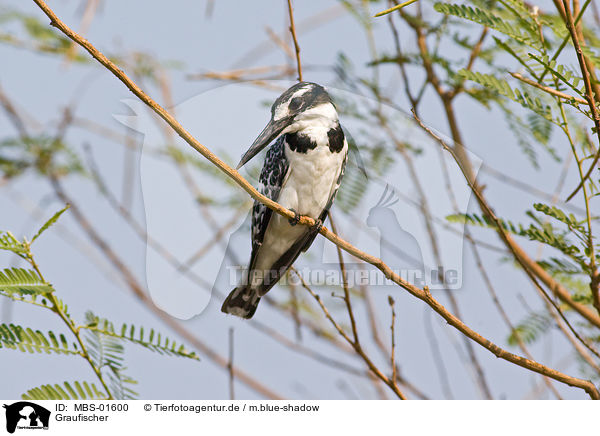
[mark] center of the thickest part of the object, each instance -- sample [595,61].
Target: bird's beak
[273,129]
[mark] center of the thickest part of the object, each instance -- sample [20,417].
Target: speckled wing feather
[271,180]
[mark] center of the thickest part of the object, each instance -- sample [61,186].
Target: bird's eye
[295,104]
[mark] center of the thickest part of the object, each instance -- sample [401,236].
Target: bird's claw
[318,225]
[294,221]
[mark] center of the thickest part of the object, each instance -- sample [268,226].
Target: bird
[302,171]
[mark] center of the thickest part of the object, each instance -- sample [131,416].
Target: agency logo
[26,415]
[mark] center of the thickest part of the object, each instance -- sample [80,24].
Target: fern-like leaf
[556,213]
[23,339]
[530,329]
[22,282]
[66,391]
[153,341]
[9,243]
[502,87]
[560,266]
[545,233]
[562,73]
[107,353]
[488,19]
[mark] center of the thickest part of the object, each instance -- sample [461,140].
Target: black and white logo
[26,415]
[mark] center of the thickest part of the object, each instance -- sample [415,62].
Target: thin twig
[280,43]
[393,337]
[230,366]
[345,284]
[296,45]
[426,212]
[357,347]
[548,89]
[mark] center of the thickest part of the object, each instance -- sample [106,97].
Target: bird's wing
[272,178]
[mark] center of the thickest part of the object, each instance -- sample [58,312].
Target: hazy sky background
[227,119]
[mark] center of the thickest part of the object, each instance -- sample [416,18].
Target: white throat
[315,122]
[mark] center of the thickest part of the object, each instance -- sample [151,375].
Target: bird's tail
[242,302]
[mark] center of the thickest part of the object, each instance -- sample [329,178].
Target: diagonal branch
[422,294]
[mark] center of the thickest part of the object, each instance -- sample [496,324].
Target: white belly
[307,189]
[311,179]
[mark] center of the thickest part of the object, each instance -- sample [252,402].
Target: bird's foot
[317,226]
[294,221]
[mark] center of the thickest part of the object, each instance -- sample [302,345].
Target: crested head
[303,97]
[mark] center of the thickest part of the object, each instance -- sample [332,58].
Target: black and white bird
[302,172]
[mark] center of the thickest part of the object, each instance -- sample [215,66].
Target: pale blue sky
[227,120]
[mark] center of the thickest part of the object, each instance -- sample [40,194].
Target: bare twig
[230,366]
[13,114]
[426,212]
[280,43]
[296,45]
[345,284]
[393,337]
[357,347]
[548,89]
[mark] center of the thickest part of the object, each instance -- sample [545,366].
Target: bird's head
[294,110]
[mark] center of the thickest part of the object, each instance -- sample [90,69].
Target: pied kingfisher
[302,172]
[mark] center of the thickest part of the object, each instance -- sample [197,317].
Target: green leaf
[352,191]
[22,282]
[15,337]
[51,221]
[502,87]
[153,341]
[107,353]
[558,214]
[543,233]
[531,328]
[557,266]
[530,133]
[75,391]
[488,19]
[593,56]
[10,243]
[562,73]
